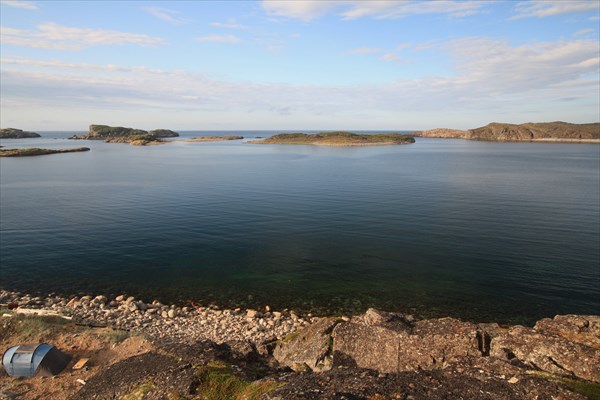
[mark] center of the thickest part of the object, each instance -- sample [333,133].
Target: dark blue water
[485,231]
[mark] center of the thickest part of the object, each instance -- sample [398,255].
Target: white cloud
[214,38]
[491,80]
[230,24]
[171,16]
[360,51]
[380,9]
[389,57]
[305,10]
[24,5]
[398,9]
[58,37]
[548,8]
[584,32]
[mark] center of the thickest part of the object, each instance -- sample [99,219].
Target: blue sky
[202,65]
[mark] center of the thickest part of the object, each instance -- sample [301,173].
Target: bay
[484,231]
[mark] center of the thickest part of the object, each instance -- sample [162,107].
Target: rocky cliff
[12,133]
[545,131]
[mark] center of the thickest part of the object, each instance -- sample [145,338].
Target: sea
[482,231]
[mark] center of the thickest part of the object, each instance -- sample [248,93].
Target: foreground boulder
[391,343]
[309,349]
[548,352]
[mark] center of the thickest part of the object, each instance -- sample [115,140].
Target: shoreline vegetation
[528,132]
[211,139]
[342,139]
[195,352]
[34,151]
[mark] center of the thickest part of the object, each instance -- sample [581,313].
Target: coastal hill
[119,134]
[38,152]
[543,131]
[12,133]
[338,139]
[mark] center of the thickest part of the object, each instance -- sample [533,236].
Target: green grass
[117,335]
[589,389]
[338,138]
[140,391]
[216,381]
[34,327]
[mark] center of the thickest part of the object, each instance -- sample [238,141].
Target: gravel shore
[166,323]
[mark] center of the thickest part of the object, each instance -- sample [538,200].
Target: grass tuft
[216,381]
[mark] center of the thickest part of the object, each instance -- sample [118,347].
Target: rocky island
[34,151]
[155,351]
[529,132]
[338,139]
[119,134]
[12,133]
[212,139]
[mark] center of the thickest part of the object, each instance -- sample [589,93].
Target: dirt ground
[103,347]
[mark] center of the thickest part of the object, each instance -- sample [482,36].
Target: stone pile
[167,322]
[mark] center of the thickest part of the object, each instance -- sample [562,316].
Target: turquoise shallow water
[486,231]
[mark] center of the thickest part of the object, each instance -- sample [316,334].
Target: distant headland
[338,139]
[12,133]
[119,134]
[528,132]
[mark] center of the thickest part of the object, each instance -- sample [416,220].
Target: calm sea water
[483,231]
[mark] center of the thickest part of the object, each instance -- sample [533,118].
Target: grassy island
[338,139]
[212,138]
[119,134]
[12,133]
[37,151]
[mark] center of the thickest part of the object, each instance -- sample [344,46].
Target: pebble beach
[184,324]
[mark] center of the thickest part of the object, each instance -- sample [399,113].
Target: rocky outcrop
[163,133]
[12,133]
[119,134]
[547,352]
[545,131]
[308,349]
[392,343]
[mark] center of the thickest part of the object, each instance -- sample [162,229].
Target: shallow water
[485,231]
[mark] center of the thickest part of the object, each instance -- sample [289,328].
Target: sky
[297,65]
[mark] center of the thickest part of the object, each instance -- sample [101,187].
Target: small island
[12,133]
[338,139]
[528,132]
[38,152]
[211,139]
[119,134]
